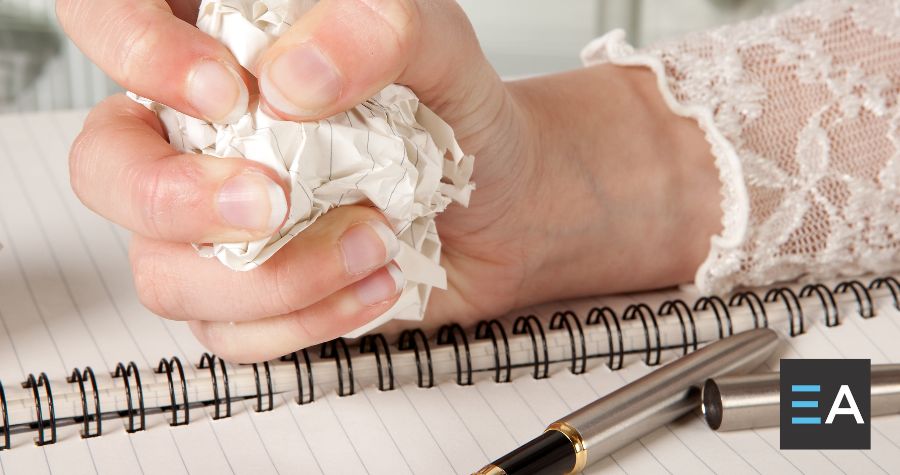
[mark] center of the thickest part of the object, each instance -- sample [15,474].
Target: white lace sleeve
[801,111]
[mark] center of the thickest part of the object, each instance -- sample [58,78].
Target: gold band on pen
[577,443]
[490,470]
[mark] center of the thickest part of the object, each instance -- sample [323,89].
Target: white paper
[390,152]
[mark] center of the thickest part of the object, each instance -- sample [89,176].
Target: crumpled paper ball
[390,152]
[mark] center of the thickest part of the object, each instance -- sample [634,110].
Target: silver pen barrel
[662,396]
[752,401]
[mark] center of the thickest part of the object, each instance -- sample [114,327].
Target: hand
[572,195]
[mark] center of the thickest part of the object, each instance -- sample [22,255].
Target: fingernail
[217,92]
[380,286]
[367,246]
[300,82]
[252,201]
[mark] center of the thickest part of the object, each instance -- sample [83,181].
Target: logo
[825,404]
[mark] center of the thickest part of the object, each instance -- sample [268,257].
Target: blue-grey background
[41,70]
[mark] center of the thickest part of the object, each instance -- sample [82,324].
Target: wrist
[690,211]
[630,191]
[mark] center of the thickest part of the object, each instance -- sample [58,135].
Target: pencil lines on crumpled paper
[390,152]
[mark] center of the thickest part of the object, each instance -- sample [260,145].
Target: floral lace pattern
[802,112]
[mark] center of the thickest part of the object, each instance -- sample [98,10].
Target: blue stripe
[806,420]
[804,403]
[805,388]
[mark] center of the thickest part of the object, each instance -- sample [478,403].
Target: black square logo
[825,404]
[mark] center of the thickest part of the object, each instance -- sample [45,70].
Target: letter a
[836,408]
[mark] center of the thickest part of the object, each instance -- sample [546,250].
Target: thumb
[342,52]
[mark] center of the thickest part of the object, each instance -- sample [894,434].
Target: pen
[613,421]
[753,400]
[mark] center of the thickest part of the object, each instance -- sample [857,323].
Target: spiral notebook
[75,343]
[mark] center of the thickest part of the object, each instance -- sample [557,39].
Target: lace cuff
[801,112]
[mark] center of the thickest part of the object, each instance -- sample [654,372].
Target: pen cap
[741,402]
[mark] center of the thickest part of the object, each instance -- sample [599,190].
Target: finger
[342,312]
[344,51]
[341,248]
[122,168]
[144,47]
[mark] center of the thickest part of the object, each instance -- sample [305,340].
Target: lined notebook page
[66,301]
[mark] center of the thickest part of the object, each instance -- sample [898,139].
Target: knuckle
[304,334]
[85,153]
[79,169]
[167,188]
[216,339]
[284,284]
[402,16]
[209,337]
[370,213]
[229,342]
[404,13]
[150,283]
[345,217]
[286,289]
[138,37]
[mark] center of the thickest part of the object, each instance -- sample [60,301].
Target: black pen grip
[550,453]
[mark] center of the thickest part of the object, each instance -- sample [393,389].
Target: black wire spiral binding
[892,284]
[568,319]
[792,304]
[526,324]
[594,317]
[329,350]
[79,377]
[491,329]
[34,385]
[757,307]
[259,395]
[417,341]
[126,372]
[309,375]
[826,297]
[719,308]
[455,334]
[642,310]
[680,307]
[166,366]
[863,299]
[6,436]
[209,361]
[377,344]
